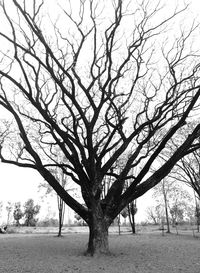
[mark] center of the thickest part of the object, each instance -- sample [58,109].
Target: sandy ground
[143,253]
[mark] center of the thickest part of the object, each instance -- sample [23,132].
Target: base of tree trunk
[97,250]
[98,242]
[97,253]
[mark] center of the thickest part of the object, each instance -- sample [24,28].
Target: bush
[51,222]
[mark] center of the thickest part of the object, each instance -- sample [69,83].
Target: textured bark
[98,234]
[98,240]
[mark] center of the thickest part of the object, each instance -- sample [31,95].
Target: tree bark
[98,234]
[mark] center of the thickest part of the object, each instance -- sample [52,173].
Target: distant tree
[17,213]
[64,182]
[30,211]
[48,222]
[9,208]
[187,169]
[179,205]
[129,212]
[132,210]
[155,214]
[175,200]
[177,214]
[163,189]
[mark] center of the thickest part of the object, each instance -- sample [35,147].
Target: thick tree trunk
[98,234]
[98,240]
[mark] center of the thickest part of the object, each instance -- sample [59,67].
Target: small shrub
[51,222]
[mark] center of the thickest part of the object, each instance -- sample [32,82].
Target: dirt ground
[143,253]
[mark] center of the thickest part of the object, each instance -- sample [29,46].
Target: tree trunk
[61,212]
[119,224]
[133,224]
[98,234]
[166,213]
[60,224]
[166,207]
[198,225]
[131,215]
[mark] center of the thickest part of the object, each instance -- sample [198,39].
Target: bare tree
[187,170]
[17,213]
[63,180]
[164,188]
[174,199]
[9,208]
[155,214]
[96,90]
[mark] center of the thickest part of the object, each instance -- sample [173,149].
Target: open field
[181,229]
[143,253]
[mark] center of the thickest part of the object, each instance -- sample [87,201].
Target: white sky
[17,184]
